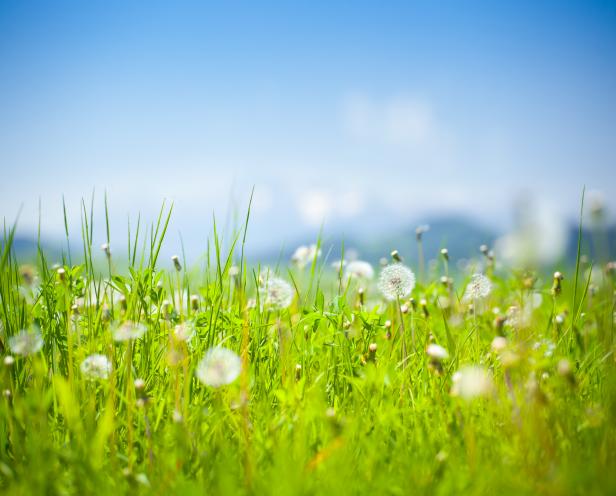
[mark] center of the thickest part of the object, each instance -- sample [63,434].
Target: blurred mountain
[460,235]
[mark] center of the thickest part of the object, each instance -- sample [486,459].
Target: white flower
[305,255]
[471,381]
[479,287]
[396,281]
[277,293]
[358,269]
[128,331]
[184,332]
[499,343]
[96,367]
[219,366]
[338,265]
[26,342]
[437,352]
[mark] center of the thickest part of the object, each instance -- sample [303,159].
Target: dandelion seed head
[479,287]
[128,331]
[278,293]
[499,343]
[471,381]
[26,342]
[358,269]
[437,352]
[184,332]
[219,367]
[396,281]
[96,367]
[305,255]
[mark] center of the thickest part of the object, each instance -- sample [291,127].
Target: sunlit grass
[339,383]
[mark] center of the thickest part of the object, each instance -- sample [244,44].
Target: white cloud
[401,121]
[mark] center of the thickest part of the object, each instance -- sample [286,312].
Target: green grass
[313,411]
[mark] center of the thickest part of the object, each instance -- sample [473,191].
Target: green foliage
[316,409]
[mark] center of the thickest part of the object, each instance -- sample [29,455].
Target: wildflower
[128,331]
[96,367]
[396,281]
[338,265]
[139,384]
[358,269]
[28,275]
[421,230]
[278,293]
[305,255]
[184,332]
[219,366]
[471,381]
[234,271]
[499,343]
[479,287]
[445,253]
[26,342]
[176,262]
[106,249]
[8,361]
[437,352]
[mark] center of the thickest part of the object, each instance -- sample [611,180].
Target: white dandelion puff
[499,343]
[219,367]
[471,381]
[437,352]
[396,281]
[26,342]
[128,331]
[305,255]
[358,269]
[277,293]
[184,332]
[478,288]
[96,367]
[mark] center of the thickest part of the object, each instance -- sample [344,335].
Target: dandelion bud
[6,393]
[445,253]
[499,322]
[177,417]
[556,286]
[404,308]
[176,262]
[139,384]
[61,274]
[565,369]
[559,319]
[361,295]
[194,302]
[106,249]
[419,232]
[372,348]
[424,306]
[298,371]
[484,249]
[396,256]
[445,281]
[75,309]
[388,329]
[9,361]
[413,303]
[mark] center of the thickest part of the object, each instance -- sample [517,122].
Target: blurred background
[366,118]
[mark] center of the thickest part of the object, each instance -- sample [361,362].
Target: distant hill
[461,236]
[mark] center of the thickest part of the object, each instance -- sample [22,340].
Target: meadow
[124,373]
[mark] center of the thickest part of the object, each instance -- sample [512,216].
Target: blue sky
[369,116]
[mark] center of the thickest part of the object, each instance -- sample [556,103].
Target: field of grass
[120,376]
